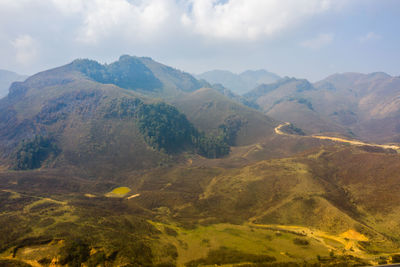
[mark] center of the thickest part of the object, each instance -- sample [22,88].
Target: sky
[298,38]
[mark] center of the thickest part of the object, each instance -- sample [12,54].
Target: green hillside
[95,126]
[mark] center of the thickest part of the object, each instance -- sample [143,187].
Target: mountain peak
[141,74]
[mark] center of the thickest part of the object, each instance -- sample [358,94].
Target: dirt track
[337,139]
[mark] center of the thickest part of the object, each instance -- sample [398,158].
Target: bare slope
[370,103]
[292,100]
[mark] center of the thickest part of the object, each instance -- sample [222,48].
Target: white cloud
[228,19]
[69,6]
[319,41]
[26,49]
[52,32]
[371,36]
[249,19]
[104,18]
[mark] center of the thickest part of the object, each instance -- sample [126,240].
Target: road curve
[278,130]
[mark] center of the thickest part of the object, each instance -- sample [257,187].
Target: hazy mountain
[238,98]
[366,103]
[350,103]
[239,83]
[6,78]
[292,100]
[140,74]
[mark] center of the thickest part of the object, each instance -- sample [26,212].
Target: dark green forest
[165,128]
[30,154]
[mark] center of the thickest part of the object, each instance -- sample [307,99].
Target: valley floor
[331,205]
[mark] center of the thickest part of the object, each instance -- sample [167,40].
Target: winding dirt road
[278,130]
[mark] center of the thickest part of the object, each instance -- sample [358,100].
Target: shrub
[396,258]
[170,231]
[75,253]
[301,242]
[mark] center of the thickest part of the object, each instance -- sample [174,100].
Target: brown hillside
[208,109]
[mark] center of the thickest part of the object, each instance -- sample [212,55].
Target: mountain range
[364,106]
[135,163]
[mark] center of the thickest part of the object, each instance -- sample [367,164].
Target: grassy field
[196,243]
[309,208]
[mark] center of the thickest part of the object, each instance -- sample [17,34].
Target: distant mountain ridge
[365,105]
[6,79]
[239,83]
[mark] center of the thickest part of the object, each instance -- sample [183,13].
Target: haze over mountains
[239,83]
[354,104]
[6,78]
[135,163]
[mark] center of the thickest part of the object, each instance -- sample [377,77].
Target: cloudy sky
[302,38]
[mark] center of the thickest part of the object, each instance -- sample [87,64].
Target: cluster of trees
[75,253]
[166,129]
[291,129]
[128,72]
[30,154]
[211,146]
[122,108]
[305,102]
[218,145]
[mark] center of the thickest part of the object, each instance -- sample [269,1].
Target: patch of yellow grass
[354,235]
[119,192]
[93,251]
[14,195]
